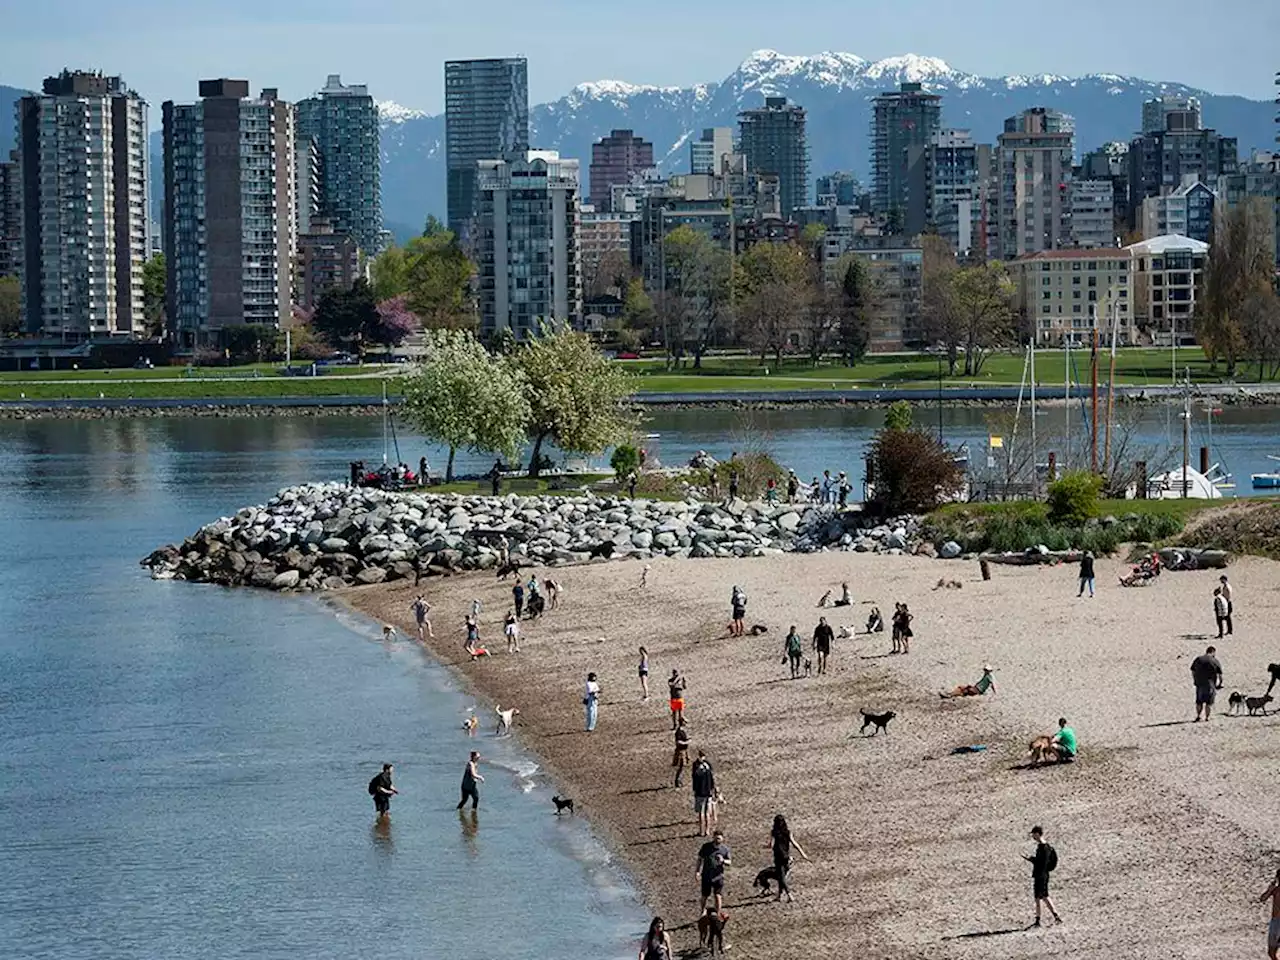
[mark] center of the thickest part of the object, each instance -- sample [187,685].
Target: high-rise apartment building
[616,159]
[1187,211]
[707,153]
[1257,181]
[902,118]
[773,141]
[1160,112]
[306,185]
[82,172]
[946,182]
[526,243]
[486,108]
[1034,173]
[229,232]
[838,189]
[1092,214]
[1160,161]
[343,121]
[326,260]
[1110,162]
[10,216]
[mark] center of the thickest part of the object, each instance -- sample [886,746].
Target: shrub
[625,460]
[912,472]
[1073,498]
[898,416]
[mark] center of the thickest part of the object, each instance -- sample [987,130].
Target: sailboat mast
[1186,434]
[1066,380]
[1035,475]
[1111,390]
[384,423]
[1093,416]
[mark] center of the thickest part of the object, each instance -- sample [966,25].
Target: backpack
[373,786]
[1051,859]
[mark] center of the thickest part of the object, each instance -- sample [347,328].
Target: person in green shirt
[794,650]
[1065,741]
[986,682]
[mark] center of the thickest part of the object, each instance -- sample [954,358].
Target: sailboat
[1266,481]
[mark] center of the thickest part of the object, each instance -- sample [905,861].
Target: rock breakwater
[328,536]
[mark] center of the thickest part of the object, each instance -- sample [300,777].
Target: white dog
[845,633]
[505,720]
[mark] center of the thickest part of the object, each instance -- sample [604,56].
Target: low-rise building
[1168,279]
[1187,211]
[1064,294]
[894,267]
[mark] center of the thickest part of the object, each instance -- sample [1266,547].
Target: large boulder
[371,575]
[286,580]
[789,521]
[950,550]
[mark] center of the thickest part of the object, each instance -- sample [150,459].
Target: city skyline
[237,39]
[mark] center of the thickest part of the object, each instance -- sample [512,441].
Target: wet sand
[1167,831]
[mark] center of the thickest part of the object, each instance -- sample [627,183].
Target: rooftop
[1170,241]
[1096,253]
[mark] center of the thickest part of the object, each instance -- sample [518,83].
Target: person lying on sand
[985,682]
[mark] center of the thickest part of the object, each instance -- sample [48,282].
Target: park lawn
[212,389]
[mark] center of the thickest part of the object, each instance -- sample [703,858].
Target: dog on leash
[1256,705]
[1042,750]
[563,804]
[764,878]
[711,930]
[880,721]
[505,719]
[808,667]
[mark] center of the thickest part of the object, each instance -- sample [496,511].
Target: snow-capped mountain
[835,89]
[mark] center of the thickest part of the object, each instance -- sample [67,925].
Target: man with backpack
[382,791]
[1043,863]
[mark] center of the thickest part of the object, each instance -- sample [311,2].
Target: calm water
[183,768]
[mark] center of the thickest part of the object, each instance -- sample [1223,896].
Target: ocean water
[183,769]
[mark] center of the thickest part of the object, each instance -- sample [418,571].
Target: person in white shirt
[591,701]
[512,631]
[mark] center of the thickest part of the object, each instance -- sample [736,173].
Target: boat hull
[1265,481]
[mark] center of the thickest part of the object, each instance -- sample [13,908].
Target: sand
[1166,830]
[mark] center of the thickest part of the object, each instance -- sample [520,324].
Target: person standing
[420,609]
[382,790]
[511,628]
[1086,573]
[591,701]
[1043,862]
[905,633]
[517,597]
[793,486]
[1272,893]
[470,778]
[1221,611]
[1227,593]
[713,857]
[631,484]
[703,779]
[844,489]
[823,635]
[733,484]
[675,688]
[781,842]
[422,471]
[738,612]
[644,673]
[657,942]
[1206,671]
[794,648]
[553,592]
[828,487]
[495,477]
[680,759]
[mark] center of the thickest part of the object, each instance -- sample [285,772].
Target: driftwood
[1022,558]
[1190,558]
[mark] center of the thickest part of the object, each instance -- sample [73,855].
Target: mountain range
[836,90]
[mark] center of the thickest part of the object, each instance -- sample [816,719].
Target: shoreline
[913,848]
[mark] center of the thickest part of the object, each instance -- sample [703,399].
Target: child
[512,631]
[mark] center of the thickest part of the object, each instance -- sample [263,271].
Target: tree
[464,398]
[438,282]
[912,472]
[389,273]
[772,287]
[10,306]
[395,322]
[1260,329]
[637,310]
[252,343]
[1241,265]
[811,238]
[577,397]
[694,296]
[154,284]
[1073,497]
[857,299]
[347,316]
[898,416]
[941,321]
[982,299]
[611,271]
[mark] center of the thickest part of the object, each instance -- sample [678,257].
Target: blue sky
[397,47]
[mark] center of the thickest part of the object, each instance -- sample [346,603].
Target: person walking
[675,688]
[1043,862]
[781,842]
[793,486]
[1086,573]
[644,673]
[1206,671]
[843,489]
[713,857]
[470,778]
[1222,612]
[793,650]
[382,790]
[823,635]
[511,628]
[680,759]
[591,701]
[1272,893]
[738,612]
[517,597]
[703,779]
[657,942]
[420,609]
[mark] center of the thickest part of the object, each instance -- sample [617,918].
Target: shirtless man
[420,609]
[1273,927]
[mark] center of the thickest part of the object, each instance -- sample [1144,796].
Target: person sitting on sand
[845,597]
[985,682]
[875,622]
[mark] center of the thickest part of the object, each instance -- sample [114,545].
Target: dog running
[563,804]
[505,720]
[767,876]
[880,721]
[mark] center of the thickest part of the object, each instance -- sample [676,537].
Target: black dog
[507,569]
[711,930]
[881,721]
[604,550]
[563,804]
[758,628]
[765,877]
[537,603]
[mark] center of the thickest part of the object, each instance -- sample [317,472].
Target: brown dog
[711,930]
[1042,750]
